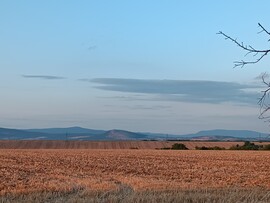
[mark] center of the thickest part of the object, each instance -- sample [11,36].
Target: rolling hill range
[78,133]
[70,130]
[72,133]
[242,134]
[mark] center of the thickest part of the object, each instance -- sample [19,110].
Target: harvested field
[28,171]
[124,195]
[60,144]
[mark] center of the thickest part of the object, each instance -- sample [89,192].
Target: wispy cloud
[140,107]
[184,90]
[92,47]
[44,77]
[144,107]
[85,80]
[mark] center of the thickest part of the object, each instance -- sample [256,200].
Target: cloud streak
[194,91]
[92,47]
[43,77]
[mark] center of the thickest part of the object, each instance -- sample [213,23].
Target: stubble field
[26,171]
[133,175]
[72,144]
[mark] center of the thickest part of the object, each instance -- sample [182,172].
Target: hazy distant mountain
[70,130]
[242,134]
[124,135]
[214,137]
[72,133]
[78,133]
[13,134]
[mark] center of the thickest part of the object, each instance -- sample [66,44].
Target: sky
[143,66]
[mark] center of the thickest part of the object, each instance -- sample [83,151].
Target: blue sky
[154,66]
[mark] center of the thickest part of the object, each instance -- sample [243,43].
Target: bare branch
[265,75]
[243,63]
[264,107]
[249,49]
[264,99]
[263,30]
[266,92]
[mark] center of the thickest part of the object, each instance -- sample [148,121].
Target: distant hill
[213,138]
[72,133]
[239,134]
[123,135]
[70,130]
[13,134]
[78,133]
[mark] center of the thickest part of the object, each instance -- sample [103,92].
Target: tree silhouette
[258,54]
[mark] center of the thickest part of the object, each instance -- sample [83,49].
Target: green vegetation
[247,146]
[209,148]
[250,146]
[179,146]
[266,147]
[176,146]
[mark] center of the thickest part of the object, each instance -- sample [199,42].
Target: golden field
[71,144]
[28,171]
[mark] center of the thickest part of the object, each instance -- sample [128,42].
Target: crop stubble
[24,171]
[76,144]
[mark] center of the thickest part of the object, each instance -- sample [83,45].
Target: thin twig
[263,30]
[264,106]
[248,48]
